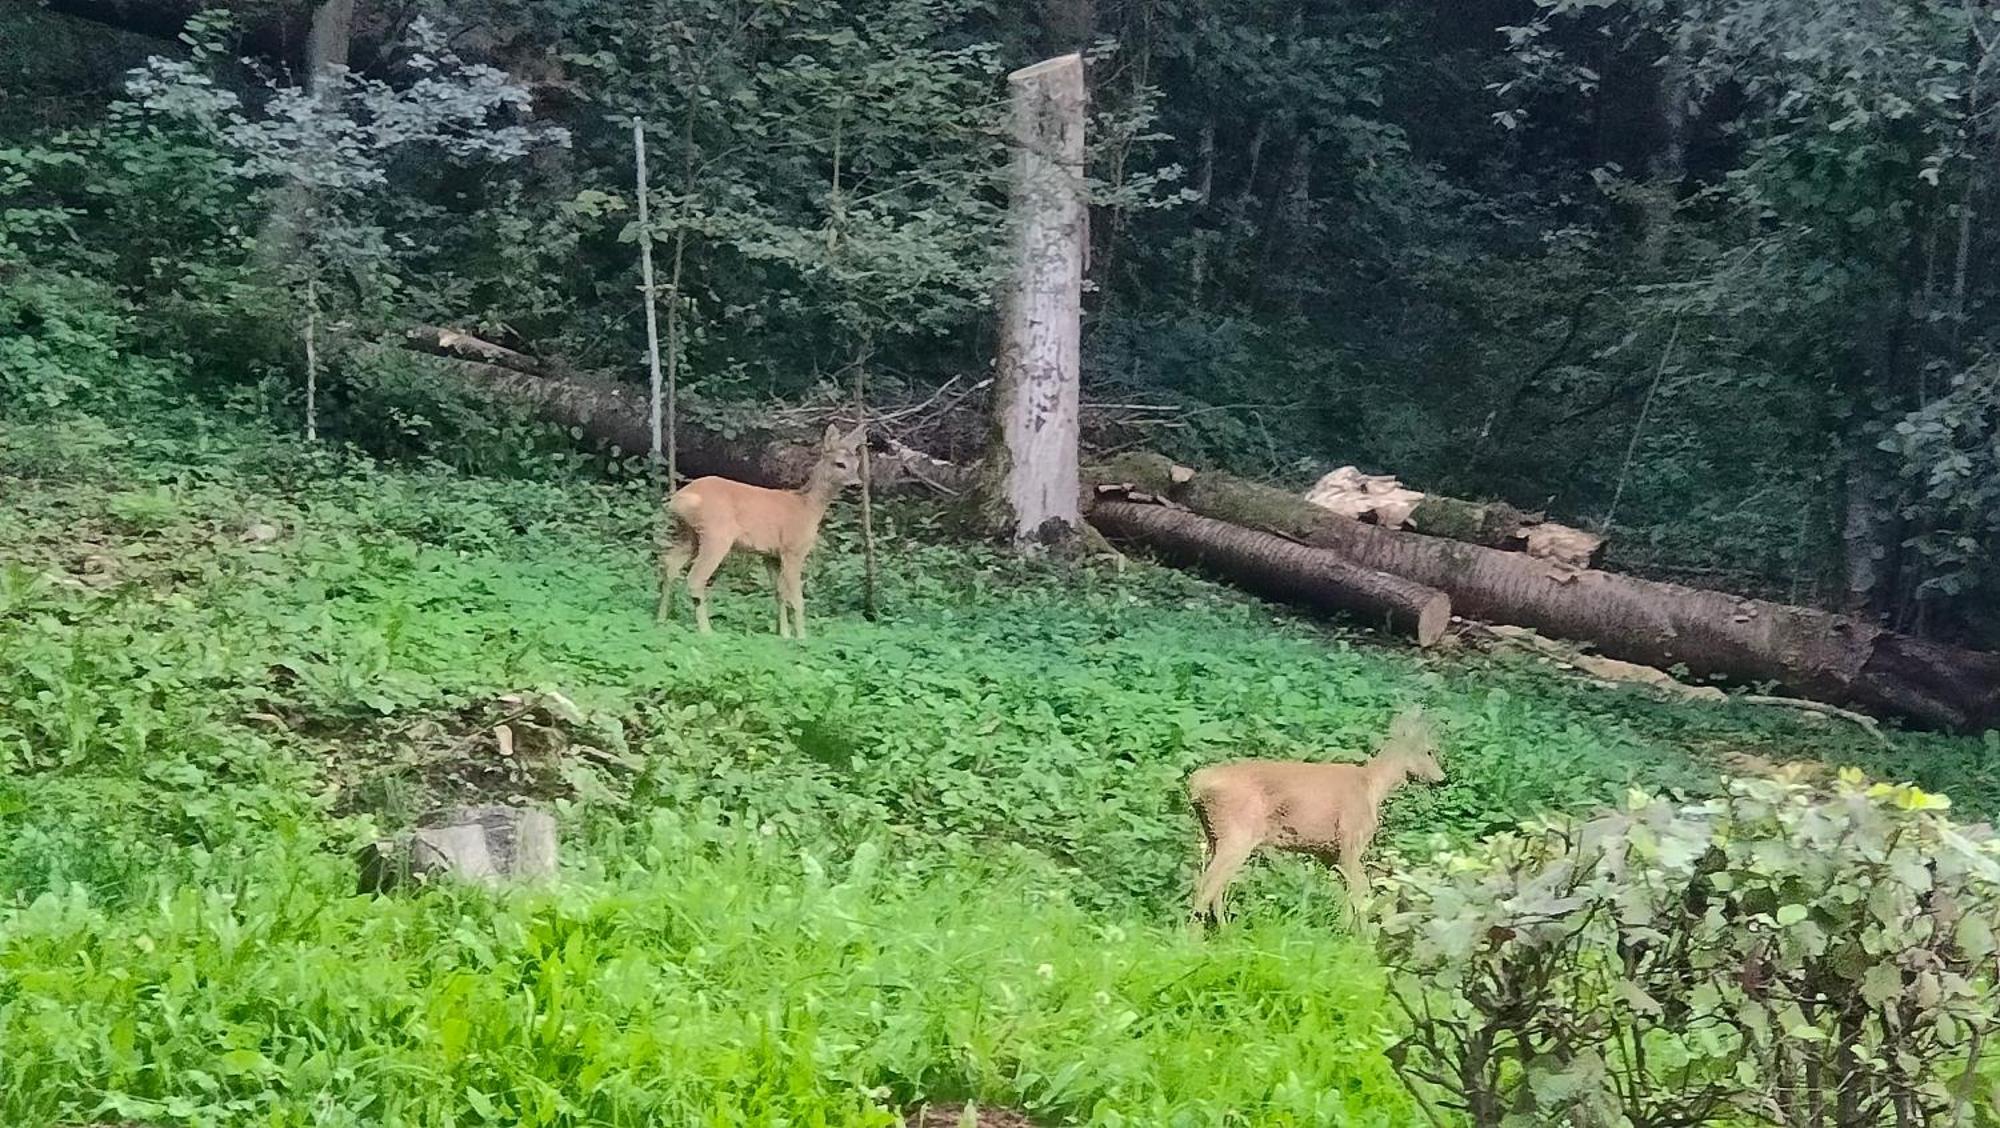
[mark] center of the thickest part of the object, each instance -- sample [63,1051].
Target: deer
[712,516]
[1327,811]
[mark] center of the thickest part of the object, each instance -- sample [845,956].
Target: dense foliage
[1770,956]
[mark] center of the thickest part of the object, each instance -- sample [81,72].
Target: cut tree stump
[488,845]
[1277,568]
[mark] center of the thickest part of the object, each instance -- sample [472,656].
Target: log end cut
[1433,618]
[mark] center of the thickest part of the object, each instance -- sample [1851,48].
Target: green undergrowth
[942,854]
[701,976]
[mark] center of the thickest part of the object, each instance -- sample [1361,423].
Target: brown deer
[712,516]
[1327,811]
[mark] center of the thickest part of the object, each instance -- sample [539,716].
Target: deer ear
[857,436]
[831,437]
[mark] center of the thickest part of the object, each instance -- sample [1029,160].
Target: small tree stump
[486,844]
[957,1115]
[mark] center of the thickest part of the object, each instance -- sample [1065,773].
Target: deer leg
[674,560]
[708,557]
[793,589]
[1352,846]
[777,591]
[1226,857]
[1207,853]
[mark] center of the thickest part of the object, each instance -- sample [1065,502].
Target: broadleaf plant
[1779,955]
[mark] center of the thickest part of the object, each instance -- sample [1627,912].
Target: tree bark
[1030,489]
[1815,654]
[1277,568]
[656,385]
[286,234]
[1869,530]
[328,41]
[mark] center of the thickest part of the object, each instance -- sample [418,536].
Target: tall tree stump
[1030,488]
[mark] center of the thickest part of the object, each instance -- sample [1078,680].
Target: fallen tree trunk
[1277,568]
[615,414]
[1812,653]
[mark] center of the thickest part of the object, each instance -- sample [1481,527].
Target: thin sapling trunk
[657,450]
[870,607]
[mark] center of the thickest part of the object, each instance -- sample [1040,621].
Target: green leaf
[1974,936]
[1789,915]
[238,1062]
[1884,981]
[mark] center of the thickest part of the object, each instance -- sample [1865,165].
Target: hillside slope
[939,856]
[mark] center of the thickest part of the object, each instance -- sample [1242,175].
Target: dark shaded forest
[1712,277]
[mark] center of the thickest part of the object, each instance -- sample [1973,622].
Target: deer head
[840,457]
[1413,743]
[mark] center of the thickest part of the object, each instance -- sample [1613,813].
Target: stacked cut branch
[1380,499]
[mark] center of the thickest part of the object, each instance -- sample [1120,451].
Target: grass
[940,856]
[702,976]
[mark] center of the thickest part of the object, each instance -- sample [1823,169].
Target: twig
[312,356]
[1873,726]
[1639,428]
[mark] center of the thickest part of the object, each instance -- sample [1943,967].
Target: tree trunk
[327,43]
[290,222]
[1669,163]
[1868,531]
[1277,568]
[1031,484]
[312,359]
[656,385]
[615,414]
[1812,653]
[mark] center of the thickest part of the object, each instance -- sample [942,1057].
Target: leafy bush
[1949,454]
[1777,955]
[63,341]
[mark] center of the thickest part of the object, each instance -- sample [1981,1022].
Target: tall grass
[692,974]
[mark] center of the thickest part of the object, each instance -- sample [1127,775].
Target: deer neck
[1384,777]
[818,492]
